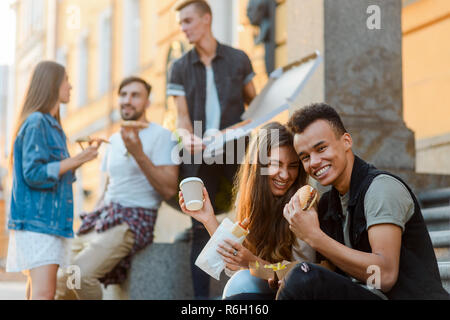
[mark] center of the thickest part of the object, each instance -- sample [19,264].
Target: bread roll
[307,196]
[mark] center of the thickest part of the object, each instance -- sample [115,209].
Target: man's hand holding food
[302,215]
[130,135]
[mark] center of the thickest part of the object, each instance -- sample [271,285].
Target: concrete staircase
[435,206]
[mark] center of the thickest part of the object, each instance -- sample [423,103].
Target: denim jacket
[41,201]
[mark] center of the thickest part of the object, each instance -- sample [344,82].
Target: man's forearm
[185,125]
[353,262]
[183,119]
[102,196]
[163,178]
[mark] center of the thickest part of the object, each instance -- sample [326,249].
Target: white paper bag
[209,260]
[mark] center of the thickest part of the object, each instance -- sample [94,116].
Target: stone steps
[444,270]
[440,239]
[441,244]
[162,271]
[434,198]
[436,213]
[437,219]
[442,254]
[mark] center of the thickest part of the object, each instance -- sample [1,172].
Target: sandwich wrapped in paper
[209,259]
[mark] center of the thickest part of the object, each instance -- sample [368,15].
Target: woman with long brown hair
[267,179]
[41,211]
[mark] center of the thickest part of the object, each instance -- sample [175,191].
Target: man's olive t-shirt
[386,201]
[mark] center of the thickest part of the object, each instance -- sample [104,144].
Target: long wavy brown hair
[269,237]
[42,94]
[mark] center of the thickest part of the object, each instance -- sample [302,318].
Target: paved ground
[12,286]
[10,290]
[15,290]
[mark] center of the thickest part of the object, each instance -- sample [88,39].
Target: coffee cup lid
[190,179]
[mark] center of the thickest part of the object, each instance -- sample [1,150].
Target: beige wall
[426,81]
[158,29]
[34,42]
[426,67]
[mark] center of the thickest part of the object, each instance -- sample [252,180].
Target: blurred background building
[101,42]
[426,81]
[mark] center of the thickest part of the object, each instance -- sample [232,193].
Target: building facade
[426,81]
[101,42]
[4,88]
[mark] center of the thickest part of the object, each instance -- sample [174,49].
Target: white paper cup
[192,189]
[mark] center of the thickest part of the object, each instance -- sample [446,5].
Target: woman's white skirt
[28,250]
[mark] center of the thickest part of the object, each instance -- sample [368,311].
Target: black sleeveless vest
[418,276]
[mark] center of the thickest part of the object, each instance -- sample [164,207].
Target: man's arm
[163,178]
[249,93]
[102,196]
[183,118]
[385,240]
[190,141]
[185,130]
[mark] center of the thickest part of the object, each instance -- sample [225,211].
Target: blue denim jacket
[41,201]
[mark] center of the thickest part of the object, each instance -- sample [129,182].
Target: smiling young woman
[269,176]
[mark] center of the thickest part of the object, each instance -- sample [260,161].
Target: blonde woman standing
[41,212]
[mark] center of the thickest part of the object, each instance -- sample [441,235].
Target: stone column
[361,74]
[222,25]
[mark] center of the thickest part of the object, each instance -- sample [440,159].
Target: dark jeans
[210,175]
[200,279]
[319,283]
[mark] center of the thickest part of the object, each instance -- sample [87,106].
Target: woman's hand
[235,254]
[91,152]
[205,215]
[88,154]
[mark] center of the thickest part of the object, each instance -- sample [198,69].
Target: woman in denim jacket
[41,212]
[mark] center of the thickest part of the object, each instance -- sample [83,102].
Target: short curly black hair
[303,117]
